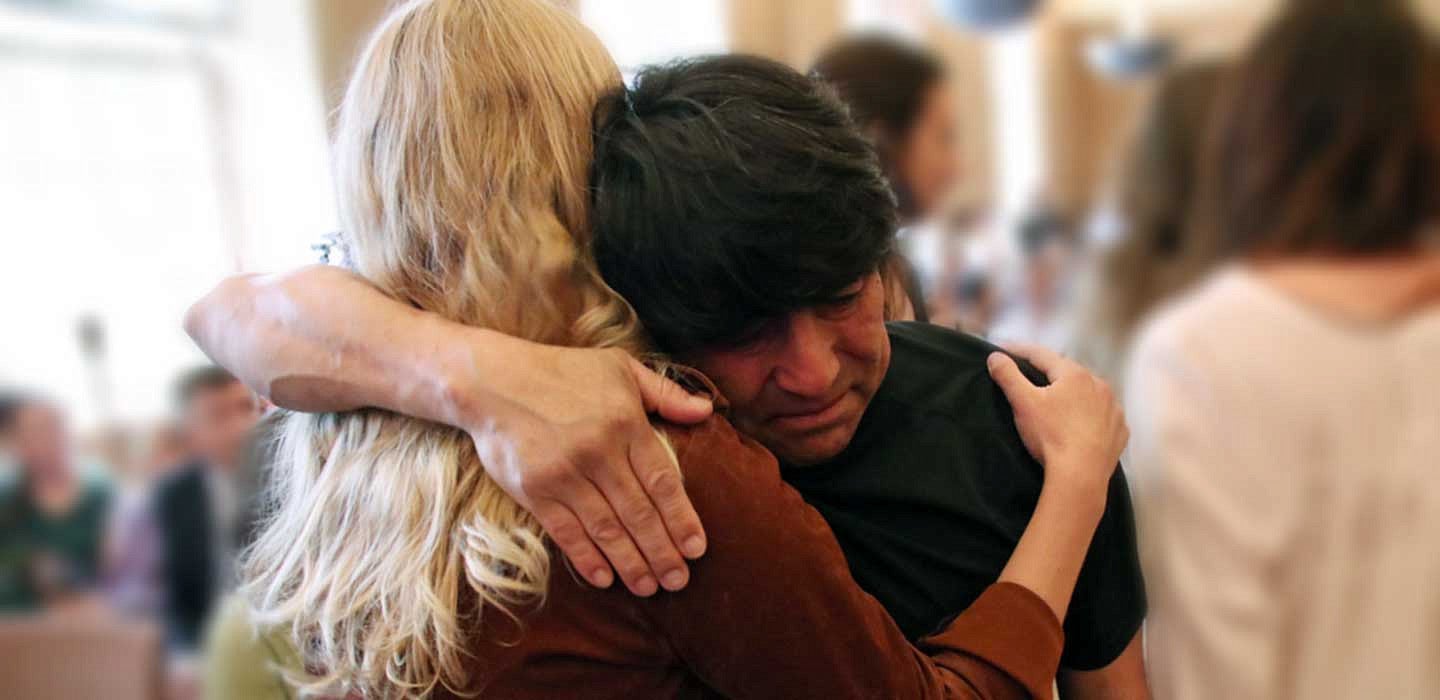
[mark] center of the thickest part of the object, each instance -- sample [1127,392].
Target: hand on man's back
[570,439]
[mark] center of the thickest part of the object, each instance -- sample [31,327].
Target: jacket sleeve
[772,611]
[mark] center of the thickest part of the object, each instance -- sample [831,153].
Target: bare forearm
[1051,551]
[563,430]
[324,339]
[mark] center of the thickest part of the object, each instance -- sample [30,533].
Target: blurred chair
[83,658]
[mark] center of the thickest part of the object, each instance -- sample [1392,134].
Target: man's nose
[808,364]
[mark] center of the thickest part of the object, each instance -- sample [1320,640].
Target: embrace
[582,320]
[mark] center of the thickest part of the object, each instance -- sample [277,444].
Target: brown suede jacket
[770,612]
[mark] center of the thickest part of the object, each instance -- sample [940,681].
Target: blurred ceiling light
[1132,52]
[988,14]
[1123,58]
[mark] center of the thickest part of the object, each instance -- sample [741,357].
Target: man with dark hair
[746,220]
[200,509]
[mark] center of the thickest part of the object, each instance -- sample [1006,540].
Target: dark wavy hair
[731,190]
[1328,141]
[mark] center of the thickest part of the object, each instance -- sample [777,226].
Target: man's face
[801,387]
[218,422]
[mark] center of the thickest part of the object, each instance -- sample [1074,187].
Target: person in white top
[1286,413]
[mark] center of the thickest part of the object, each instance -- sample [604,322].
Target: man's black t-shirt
[930,498]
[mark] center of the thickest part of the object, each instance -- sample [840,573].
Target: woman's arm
[1075,428]
[563,430]
[774,612]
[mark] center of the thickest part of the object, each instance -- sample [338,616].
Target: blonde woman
[400,568]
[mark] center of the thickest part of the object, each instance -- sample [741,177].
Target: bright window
[136,169]
[638,32]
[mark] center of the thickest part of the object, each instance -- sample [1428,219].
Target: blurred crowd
[131,525]
[1268,257]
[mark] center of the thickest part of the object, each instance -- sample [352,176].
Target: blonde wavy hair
[462,155]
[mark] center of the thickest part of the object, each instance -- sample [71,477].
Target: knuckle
[616,421]
[565,531]
[588,449]
[606,530]
[548,477]
[663,483]
[641,514]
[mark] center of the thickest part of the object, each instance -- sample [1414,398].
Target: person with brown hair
[1286,409]
[1158,252]
[900,96]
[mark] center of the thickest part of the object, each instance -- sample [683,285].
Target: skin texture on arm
[1123,679]
[564,431]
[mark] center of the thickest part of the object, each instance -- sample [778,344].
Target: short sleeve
[1109,604]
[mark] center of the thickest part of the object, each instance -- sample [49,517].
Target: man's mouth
[811,418]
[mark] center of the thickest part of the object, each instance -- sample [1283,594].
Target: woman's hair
[462,154]
[1158,253]
[884,81]
[1329,137]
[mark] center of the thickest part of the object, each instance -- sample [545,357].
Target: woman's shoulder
[714,452]
[1222,307]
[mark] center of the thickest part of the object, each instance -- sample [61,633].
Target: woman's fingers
[1012,381]
[1052,363]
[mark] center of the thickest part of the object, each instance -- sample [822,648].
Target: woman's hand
[566,433]
[1076,429]
[1074,426]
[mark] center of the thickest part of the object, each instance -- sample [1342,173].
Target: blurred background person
[51,518]
[1286,410]
[900,96]
[1158,251]
[203,510]
[975,302]
[1037,314]
[132,555]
